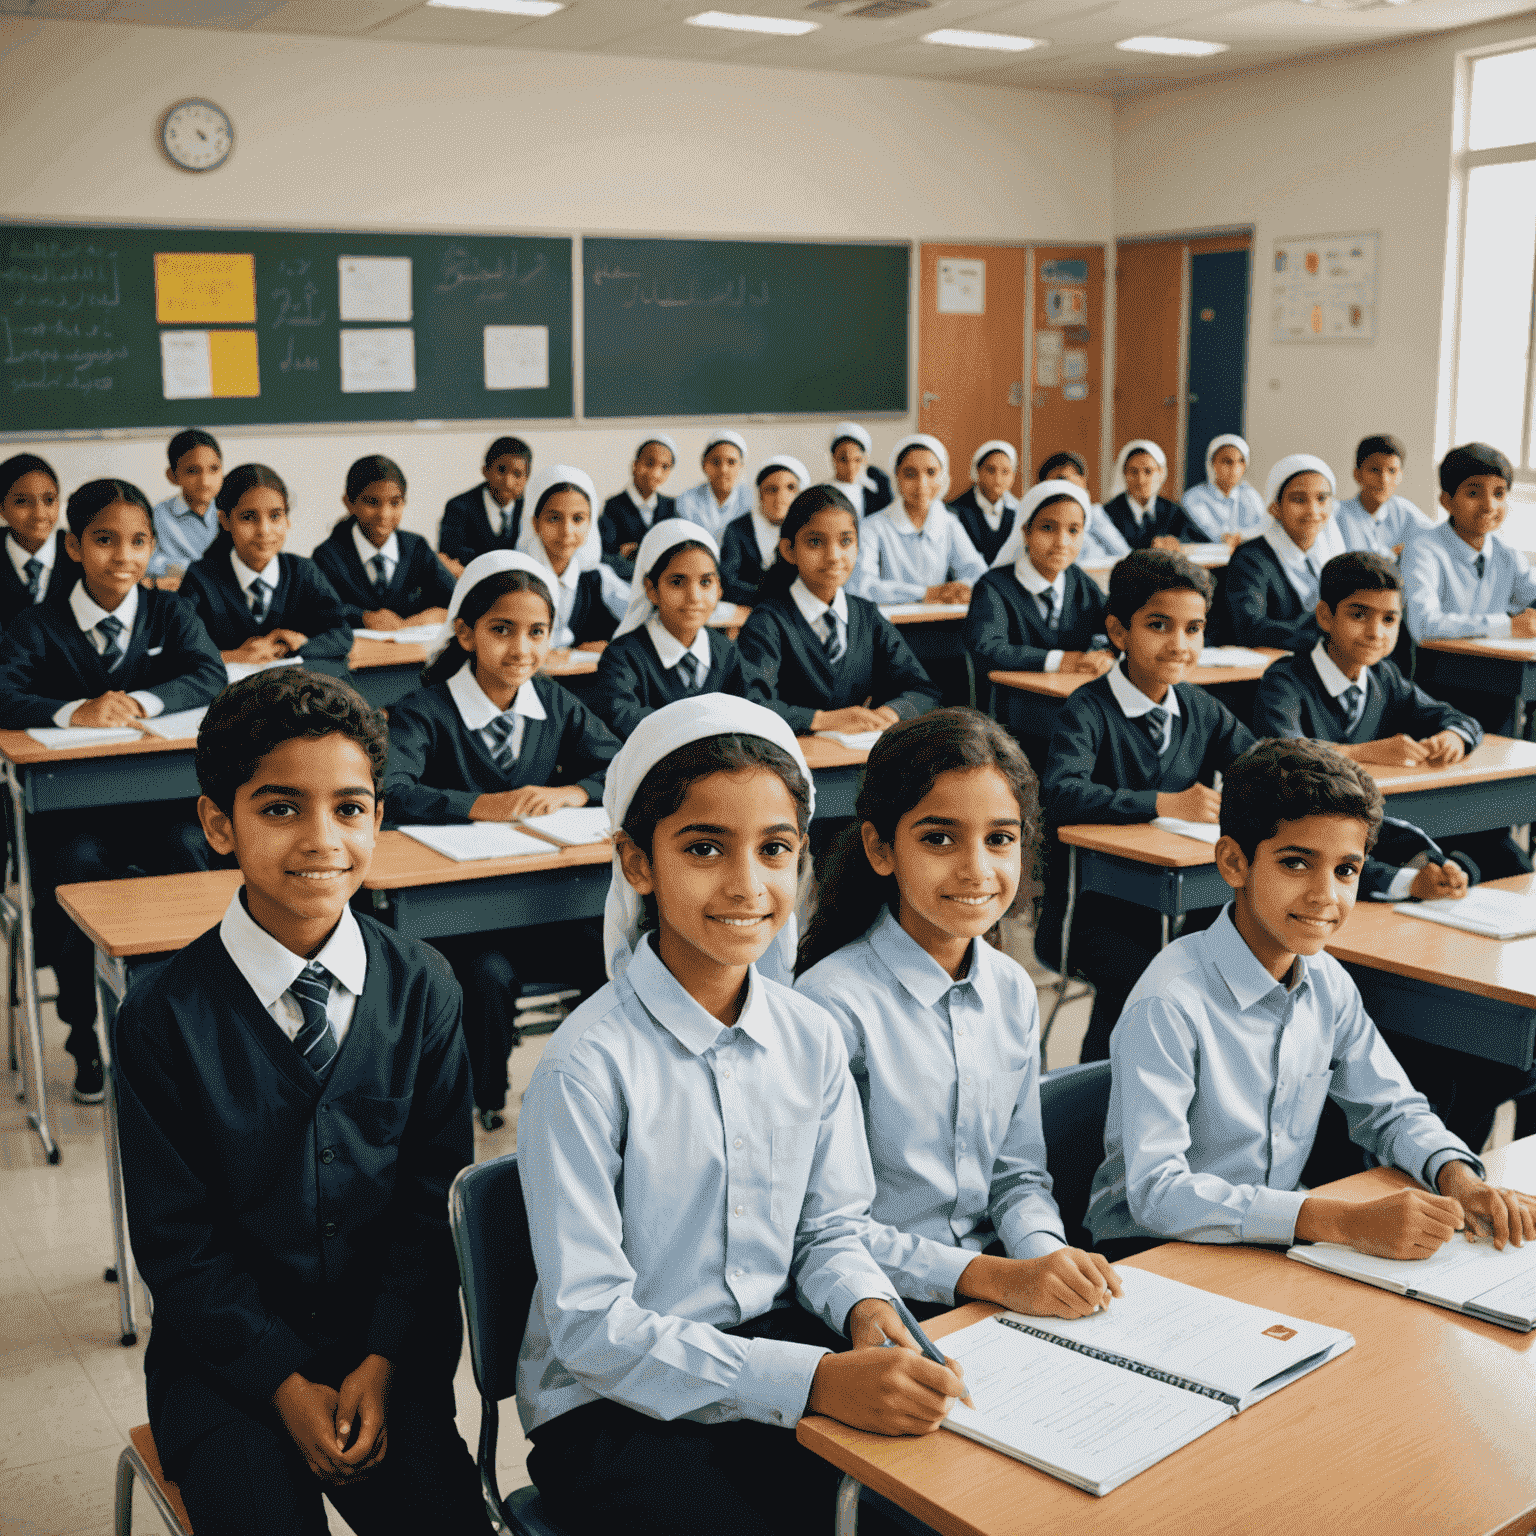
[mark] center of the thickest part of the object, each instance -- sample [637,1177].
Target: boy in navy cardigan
[1132,745]
[293,1095]
[109,653]
[489,516]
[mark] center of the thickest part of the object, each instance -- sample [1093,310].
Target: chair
[141,1460]
[1074,1102]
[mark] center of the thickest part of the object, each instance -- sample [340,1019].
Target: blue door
[1218,346]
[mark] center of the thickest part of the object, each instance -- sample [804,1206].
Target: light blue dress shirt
[1220,1074]
[1446,599]
[1216,515]
[898,563]
[1395,521]
[181,536]
[699,506]
[1101,539]
[682,1177]
[949,1075]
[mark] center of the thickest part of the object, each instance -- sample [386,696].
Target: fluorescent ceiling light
[729,21]
[505,7]
[1003,42]
[1183,46]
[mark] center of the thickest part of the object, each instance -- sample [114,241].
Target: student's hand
[1392,752]
[362,1409]
[1397,551]
[628,551]
[381,618]
[889,1391]
[112,708]
[453,565]
[1412,1224]
[1232,540]
[169,583]
[1197,803]
[308,1411]
[531,800]
[1066,1283]
[854,718]
[593,645]
[1523,625]
[257,648]
[1166,541]
[886,716]
[1095,663]
[427,616]
[1439,882]
[290,641]
[948,592]
[1444,748]
[1492,1215]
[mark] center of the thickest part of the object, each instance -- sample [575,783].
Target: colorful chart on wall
[1324,288]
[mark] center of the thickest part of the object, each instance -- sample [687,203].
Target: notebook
[1232,656]
[57,737]
[1095,1400]
[570,826]
[855,741]
[894,611]
[1474,1278]
[1494,914]
[1206,554]
[412,634]
[1526,648]
[478,840]
[178,727]
[1201,831]
[238,671]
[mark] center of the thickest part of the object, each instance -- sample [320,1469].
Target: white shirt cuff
[1498,626]
[1466,736]
[1401,885]
[1053,660]
[65,712]
[1035,1246]
[151,703]
[775,1383]
[848,1293]
[1434,1167]
[944,1265]
[1271,1218]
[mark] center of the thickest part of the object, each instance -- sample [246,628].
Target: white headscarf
[784,461]
[863,439]
[659,538]
[1295,464]
[1047,490]
[934,446]
[528,540]
[723,435]
[670,444]
[1226,440]
[994,445]
[491,564]
[1136,445]
[656,737]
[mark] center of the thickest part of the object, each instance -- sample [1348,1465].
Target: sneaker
[90,1082]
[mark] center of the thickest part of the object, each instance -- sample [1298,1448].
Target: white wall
[334,133]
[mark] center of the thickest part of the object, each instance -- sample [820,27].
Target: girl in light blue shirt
[1224,507]
[942,1029]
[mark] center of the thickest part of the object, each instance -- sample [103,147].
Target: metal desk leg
[109,994]
[1065,971]
[847,1519]
[37,1117]
[1164,944]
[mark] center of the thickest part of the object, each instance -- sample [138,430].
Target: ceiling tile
[441,24]
[72,10]
[229,15]
[337,18]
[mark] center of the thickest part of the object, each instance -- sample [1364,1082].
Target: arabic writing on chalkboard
[58,303]
[732,296]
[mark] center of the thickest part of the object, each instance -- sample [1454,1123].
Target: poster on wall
[1324,288]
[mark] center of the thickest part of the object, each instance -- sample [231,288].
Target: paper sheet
[1526,648]
[381,361]
[238,671]
[209,365]
[962,287]
[1201,831]
[375,287]
[479,840]
[59,737]
[1231,656]
[897,611]
[411,634]
[516,356]
[855,741]
[570,825]
[1455,1274]
[177,727]
[1494,914]
[205,288]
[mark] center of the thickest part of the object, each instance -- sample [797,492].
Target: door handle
[928,398]
[1016,393]
[1194,399]
[1170,402]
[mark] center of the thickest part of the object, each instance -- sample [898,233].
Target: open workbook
[1095,1400]
[1474,1278]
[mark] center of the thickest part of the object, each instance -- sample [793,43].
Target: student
[293,1095]
[258,603]
[750,544]
[489,516]
[664,649]
[35,567]
[1269,590]
[1224,507]
[866,487]
[188,522]
[386,578]
[487,737]
[1376,518]
[942,1029]
[1142,518]
[818,657]
[719,498]
[696,1176]
[108,654]
[915,551]
[1234,1038]
[558,532]
[987,507]
[1137,743]
[640,505]
[1462,580]
[1101,540]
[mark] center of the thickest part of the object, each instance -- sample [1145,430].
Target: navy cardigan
[1259,606]
[1168,517]
[14,597]
[741,566]
[621,523]
[974,521]
[420,580]
[631,682]
[465,530]
[304,601]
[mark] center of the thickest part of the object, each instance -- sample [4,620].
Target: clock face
[197,135]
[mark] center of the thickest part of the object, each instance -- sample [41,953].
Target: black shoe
[490,1119]
[90,1082]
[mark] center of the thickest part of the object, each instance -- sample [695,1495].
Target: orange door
[1149,301]
[970,350]
[1066,388]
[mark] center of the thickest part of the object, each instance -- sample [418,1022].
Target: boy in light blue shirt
[187,523]
[1234,1037]
[1376,520]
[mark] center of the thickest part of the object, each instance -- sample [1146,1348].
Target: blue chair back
[1074,1102]
[496,1269]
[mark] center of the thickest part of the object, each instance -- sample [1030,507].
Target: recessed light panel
[1184,47]
[504,7]
[1001,42]
[729,21]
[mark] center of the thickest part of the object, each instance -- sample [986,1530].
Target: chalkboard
[133,327]
[735,327]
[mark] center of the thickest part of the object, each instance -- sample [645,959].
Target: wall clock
[197,135]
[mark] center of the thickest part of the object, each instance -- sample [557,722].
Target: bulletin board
[1323,288]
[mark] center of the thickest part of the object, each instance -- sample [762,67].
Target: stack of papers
[1231,656]
[894,611]
[57,737]
[1492,913]
[238,671]
[412,634]
[570,827]
[1206,554]
[1201,831]
[855,741]
[478,840]
[178,727]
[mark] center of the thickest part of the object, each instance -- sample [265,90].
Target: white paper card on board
[375,287]
[1048,351]
[378,362]
[186,365]
[962,287]
[517,357]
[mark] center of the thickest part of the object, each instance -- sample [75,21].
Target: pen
[923,1342]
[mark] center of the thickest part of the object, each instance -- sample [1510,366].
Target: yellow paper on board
[232,358]
[205,288]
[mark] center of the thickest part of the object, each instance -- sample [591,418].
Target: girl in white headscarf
[1144,519]
[750,544]
[867,487]
[986,509]
[664,649]
[1224,506]
[720,497]
[559,520]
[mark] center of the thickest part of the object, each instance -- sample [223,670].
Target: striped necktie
[316,1040]
[380,568]
[506,733]
[1156,722]
[690,671]
[1353,701]
[261,597]
[832,641]
[34,570]
[1481,565]
[1047,600]
[111,627]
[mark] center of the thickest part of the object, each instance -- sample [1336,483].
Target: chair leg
[846,1522]
[122,1503]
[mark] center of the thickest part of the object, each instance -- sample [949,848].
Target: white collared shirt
[88,614]
[991,510]
[367,553]
[644,505]
[1141,512]
[854,493]
[899,562]
[1294,560]
[1333,679]
[812,607]
[244,576]
[1134,703]
[271,968]
[767,538]
[1035,584]
[477,711]
[44,557]
[499,516]
[670,650]
[563,589]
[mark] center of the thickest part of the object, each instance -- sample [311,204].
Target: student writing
[1376,518]
[1138,514]
[559,532]
[720,497]
[487,516]
[750,543]
[866,486]
[640,505]
[188,522]
[987,507]
[35,566]
[1224,507]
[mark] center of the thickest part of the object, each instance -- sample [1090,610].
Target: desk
[1211,557]
[838,772]
[1489,668]
[384,671]
[1424,1426]
[1492,786]
[932,630]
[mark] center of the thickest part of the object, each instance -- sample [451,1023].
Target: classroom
[394,270]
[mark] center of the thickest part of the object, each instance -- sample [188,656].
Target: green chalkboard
[735,327]
[83,340]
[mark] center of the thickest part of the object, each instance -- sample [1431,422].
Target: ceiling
[1081,34]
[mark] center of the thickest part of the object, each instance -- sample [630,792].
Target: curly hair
[1277,781]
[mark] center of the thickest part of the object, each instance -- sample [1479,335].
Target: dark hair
[1052,501]
[773,469]
[373,467]
[24,464]
[903,767]
[901,458]
[780,576]
[185,441]
[1473,459]
[248,477]
[505,447]
[1056,460]
[848,437]
[93,498]
[671,552]
[1358,571]
[478,602]
[554,490]
[647,442]
[1285,780]
[1138,578]
[1379,442]
[257,715]
[1141,453]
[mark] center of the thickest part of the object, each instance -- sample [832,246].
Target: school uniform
[749,547]
[626,519]
[330,1245]
[988,525]
[787,658]
[27,579]
[403,574]
[293,594]
[1394,522]
[1216,515]
[899,562]
[1269,592]
[644,669]
[672,1342]
[1103,765]
[699,506]
[948,1074]
[588,603]
[1220,1074]
[1138,527]
[181,535]
[1102,540]
[474,523]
